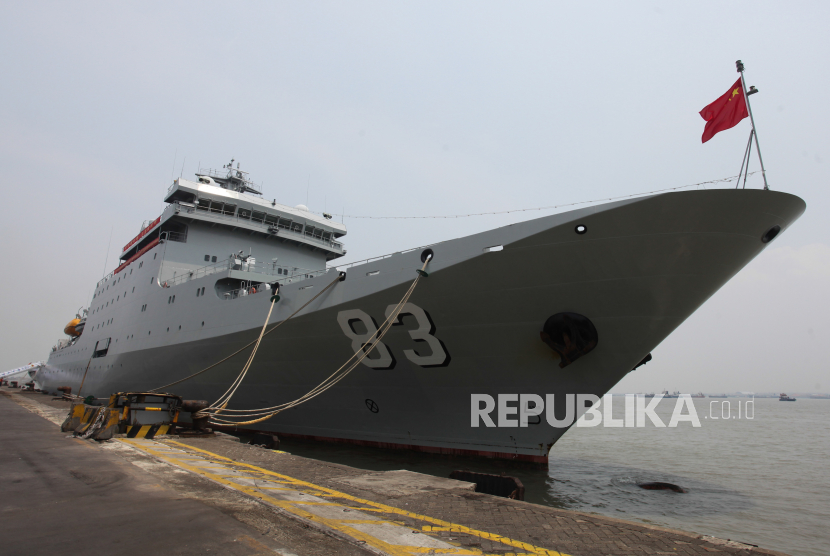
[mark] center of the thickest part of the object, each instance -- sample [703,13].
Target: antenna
[106,258]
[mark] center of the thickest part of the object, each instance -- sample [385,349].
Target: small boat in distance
[785,398]
[718,396]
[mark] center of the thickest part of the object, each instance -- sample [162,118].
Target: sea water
[761,479]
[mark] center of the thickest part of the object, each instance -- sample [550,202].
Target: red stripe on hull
[541,460]
[136,256]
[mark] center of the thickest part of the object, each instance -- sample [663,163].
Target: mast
[740,66]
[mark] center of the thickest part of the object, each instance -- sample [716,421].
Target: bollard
[199,423]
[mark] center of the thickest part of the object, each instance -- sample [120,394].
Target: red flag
[725,112]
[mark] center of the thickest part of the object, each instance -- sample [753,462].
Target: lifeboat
[74,328]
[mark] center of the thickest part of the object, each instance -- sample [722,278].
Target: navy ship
[564,304]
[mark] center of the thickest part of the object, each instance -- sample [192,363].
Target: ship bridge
[217,204]
[222,213]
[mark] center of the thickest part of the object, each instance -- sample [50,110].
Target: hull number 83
[428,350]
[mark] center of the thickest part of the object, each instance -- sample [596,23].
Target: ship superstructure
[507,319]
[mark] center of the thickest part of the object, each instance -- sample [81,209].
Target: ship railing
[379,258]
[267,227]
[231,174]
[279,272]
[175,236]
[254,289]
[104,279]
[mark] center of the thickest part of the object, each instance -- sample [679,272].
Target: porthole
[427,254]
[581,229]
[203,323]
[168,329]
[770,234]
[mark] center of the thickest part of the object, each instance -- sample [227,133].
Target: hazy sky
[413,108]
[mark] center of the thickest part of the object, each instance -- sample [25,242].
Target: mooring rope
[263,414]
[243,348]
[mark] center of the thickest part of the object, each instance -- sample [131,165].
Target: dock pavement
[215,495]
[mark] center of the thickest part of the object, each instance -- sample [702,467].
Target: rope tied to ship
[262,334]
[263,414]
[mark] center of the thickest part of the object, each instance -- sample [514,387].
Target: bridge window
[244,213]
[207,258]
[213,259]
[258,217]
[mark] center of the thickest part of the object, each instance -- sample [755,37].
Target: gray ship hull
[641,268]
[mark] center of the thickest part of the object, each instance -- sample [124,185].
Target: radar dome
[302,207]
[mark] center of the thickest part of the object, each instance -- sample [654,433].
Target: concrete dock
[211,495]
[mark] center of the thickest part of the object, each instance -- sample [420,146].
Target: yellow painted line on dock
[298,507]
[313,489]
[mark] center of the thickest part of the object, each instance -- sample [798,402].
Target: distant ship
[699,395]
[718,396]
[674,394]
[785,398]
[564,304]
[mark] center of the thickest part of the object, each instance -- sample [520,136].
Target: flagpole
[740,66]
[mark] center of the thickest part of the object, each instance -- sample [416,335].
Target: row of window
[130,337]
[228,209]
[117,280]
[107,304]
[209,259]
